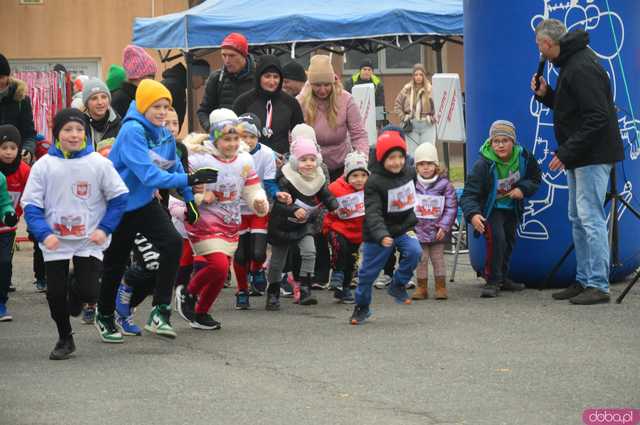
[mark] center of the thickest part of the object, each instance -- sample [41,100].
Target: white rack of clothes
[49,92]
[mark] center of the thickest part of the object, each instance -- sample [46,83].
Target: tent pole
[437,47]
[188,59]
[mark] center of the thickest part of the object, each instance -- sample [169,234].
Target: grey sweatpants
[279,259]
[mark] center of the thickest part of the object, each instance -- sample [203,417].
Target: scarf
[8,169]
[427,182]
[307,185]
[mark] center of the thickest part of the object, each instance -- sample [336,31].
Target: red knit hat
[387,141]
[237,42]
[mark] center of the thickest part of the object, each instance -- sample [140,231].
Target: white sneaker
[382,281]
[410,285]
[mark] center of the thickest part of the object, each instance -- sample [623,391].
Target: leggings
[87,272]
[435,254]
[207,282]
[279,255]
[344,256]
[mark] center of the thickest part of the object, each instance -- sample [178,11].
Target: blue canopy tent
[333,25]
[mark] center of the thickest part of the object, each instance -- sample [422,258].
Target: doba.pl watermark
[611,416]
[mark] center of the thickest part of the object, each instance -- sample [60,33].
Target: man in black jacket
[589,145]
[235,78]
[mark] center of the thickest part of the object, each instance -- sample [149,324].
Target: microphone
[540,71]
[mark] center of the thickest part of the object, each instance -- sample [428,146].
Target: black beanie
[366,63]
[65,116]
[5,69]
[9,133]
[294,71]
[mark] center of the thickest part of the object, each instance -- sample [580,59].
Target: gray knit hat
[94,86]
[355,161]
[503,128]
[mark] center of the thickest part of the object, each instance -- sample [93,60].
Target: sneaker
[344,295]
[4,314]
[399,293]
[41,285]
[205,321]
[127,326]
[63,349]
[123,299]
[490,290]
[360,314]
[573,290]
[410,285]
[382,281]
[259,281]
[159,321]
[273,297]
[106,326]
[510,285]
[242,301]
[12,288]
[185,303]
[89,314]
[286,290]
[306,297]
[590,296]
[319,286]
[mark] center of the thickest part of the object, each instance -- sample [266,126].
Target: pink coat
[349,133]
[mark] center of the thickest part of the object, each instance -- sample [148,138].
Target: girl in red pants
[215,235]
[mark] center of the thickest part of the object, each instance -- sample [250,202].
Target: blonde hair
[310,105]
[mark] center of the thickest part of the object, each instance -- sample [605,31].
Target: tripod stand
[614,198]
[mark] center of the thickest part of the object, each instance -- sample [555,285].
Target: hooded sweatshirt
[508,172]
[145,157]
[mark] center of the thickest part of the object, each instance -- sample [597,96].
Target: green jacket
[6,204]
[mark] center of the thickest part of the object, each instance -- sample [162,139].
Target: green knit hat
[115,77]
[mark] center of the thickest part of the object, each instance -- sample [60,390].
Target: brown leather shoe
[573,290]
[441,288]
[421,292]
[590,296]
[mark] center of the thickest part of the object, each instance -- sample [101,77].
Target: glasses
[500,142]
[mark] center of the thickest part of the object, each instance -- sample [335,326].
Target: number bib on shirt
[308,208]
[401,198]
[506,184]
[429,206]
[351,205]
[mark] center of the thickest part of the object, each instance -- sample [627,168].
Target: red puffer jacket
[15,186]
[350,228]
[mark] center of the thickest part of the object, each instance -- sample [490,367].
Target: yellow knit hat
[150,91]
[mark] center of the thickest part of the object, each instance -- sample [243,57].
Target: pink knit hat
[137,63]
[303,146]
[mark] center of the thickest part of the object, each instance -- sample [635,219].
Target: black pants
[7,246]
[38,259]
[86,271]
[152,222]
[501,229]
[323,257]
[344,255]
[252,247]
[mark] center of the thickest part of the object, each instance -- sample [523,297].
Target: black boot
[305,291]
[63,349]
[273,297]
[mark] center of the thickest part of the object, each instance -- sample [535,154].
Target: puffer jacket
[15,109]
[351,229]
[403,108]
[426,229]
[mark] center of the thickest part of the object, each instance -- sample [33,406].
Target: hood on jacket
[155,131]
[503,166]
[571,43]
[54,150]
[265,63]
[113,116]
[177,72]
[17,89]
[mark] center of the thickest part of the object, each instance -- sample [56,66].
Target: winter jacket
[98,131]
[405,110]
[16,183]
[121,98]
[349,133]
[384,218]
[175,79]
[377,83]
[15,109]
[286,111]
[481,186]
[6,203]
[223,88]
[584,114]
[283,226]
[350,228]
[427,228]
[145,157]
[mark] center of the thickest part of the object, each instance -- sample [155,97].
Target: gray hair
[552,29]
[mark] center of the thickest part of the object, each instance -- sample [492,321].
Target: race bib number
[401,198]
[70,225]
[505,185]
[226,190]
[429,207]
[351,206]
[308,208]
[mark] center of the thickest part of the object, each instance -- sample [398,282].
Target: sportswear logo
[156,320]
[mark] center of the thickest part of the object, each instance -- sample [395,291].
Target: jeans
[502,226]
[423,132]
[7,245]
[374,257]
[587,192]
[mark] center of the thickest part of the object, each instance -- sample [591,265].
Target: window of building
[387,61]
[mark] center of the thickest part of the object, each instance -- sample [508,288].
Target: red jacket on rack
[15,186]
[350,228]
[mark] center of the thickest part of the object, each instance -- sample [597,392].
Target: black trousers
[152,222]
[38,259]
[86,271]
[344,255]
[502,225]
[251,247]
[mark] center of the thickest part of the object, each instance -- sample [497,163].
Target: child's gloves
[10,219]
[203,175]
[192,213]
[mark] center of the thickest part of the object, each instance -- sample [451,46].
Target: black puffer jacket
[223,88]
[283,228]
[107,128]
[15,109]
[286,111]
[175,79]
[378,222]
[121,98]
[584,115]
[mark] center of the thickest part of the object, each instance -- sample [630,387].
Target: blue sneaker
[89,314]
[242,301]
[127,326]
[123,300]
[4,314]
[360,314]
[399,293]
[259,281]
[41,285]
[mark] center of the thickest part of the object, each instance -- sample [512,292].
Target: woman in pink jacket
[333,114]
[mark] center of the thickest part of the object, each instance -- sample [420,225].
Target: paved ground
[518,359]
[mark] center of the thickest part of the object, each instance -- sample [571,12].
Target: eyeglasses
[500,142]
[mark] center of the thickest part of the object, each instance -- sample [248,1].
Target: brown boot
[441,288]
[421,292]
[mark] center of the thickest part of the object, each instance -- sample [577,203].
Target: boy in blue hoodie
[144,155]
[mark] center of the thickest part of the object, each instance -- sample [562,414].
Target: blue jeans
[587,191]
[375,256]
[7,244]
